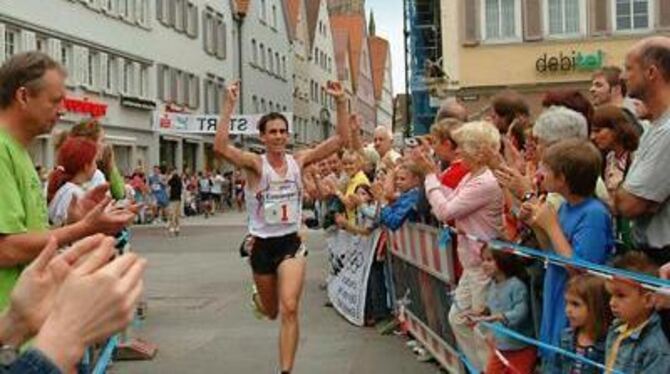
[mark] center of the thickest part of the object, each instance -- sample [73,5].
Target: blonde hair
[473,137]
[442,130]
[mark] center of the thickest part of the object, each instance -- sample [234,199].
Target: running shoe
[256,306]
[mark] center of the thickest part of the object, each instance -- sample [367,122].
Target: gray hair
[381,129]
[558,123]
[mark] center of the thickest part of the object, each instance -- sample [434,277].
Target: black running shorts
[267,254]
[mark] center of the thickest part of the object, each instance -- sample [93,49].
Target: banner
[245,124]
[351,257]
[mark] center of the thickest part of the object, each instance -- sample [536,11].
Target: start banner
[351,257]
[244,124]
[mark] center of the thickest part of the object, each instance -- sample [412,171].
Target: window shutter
[28,41]
[159,81]
[104,59]
[663,17]
[160,6]
[2,43]
[196,105]
[121,74]
[137,80]
[532,20]
[195,20]
[599,17]
[221,41]
[53,49]
[470,23]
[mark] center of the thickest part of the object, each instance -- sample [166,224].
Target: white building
[126,59]
[265,64]
[297,24]
[323,116]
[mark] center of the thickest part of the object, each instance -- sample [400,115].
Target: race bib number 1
[280,213]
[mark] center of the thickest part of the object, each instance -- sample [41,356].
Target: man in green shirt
[32,89]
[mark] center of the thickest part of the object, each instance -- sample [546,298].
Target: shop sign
[85,106]
[244,124]
[577,61]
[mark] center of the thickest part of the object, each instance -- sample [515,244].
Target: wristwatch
[8,354]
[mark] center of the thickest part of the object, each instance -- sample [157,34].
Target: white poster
[351,257]
[206,124]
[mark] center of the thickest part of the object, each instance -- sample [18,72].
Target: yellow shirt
[359,179]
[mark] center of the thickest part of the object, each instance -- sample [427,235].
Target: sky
[388,19]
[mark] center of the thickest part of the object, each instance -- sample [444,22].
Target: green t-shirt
[23,207]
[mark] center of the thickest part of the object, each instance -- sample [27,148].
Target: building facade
[537,45]
[323,116]
[380,60]
[298,29]
[126,60]
[266,58]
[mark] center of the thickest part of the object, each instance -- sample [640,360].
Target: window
[65,56]
[254,100]
[192,20]
[271,106]
[108,5]
[41,44]
[263,11]
[127,76]
[220,38]
[632,14]
[179,15]
[144,81]
[11,43]
[111,75]
[278,64]
[501,19]
[283,66]
[565,17]
[262,56]
[254,51]
[270,61]
[93,69]
[264,109]
[193,91]
[274,16]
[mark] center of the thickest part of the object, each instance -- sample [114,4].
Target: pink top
[476,205]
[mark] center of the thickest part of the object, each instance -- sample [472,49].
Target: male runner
[274,203]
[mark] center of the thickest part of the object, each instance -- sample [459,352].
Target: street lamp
[324,117]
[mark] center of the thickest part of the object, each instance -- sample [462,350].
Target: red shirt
[454,174]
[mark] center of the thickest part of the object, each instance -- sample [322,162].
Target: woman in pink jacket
[476,206]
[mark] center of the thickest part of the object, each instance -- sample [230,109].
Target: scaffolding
[423,56]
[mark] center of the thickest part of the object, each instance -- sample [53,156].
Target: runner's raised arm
[335,142]
[222,146]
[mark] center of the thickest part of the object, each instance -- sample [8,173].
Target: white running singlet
[275,206]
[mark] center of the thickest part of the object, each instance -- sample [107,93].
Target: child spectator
[76,166]
[352,164]
[366,213]
[508,304]
[635,342]
[407,179]
[475,205]
[588,315]
[582,228]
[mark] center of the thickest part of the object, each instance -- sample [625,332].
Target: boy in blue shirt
[581,229]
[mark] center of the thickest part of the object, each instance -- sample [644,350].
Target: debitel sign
[570,62]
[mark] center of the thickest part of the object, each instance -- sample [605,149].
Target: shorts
[267,254]
[204,196]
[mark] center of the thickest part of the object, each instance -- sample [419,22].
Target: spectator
[56,302]
[217,191]
[588,313]
[445,148]
[159,190]
[238,185]
[645,194]
[76,166]
[476,207]
[607,87]
[176,188]
[31,97]
[635,342]
[571,99]
[451,108]
[508,304]
[383,143]
[406,180]
[582,228]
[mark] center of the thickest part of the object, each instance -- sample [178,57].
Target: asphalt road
[198,292]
